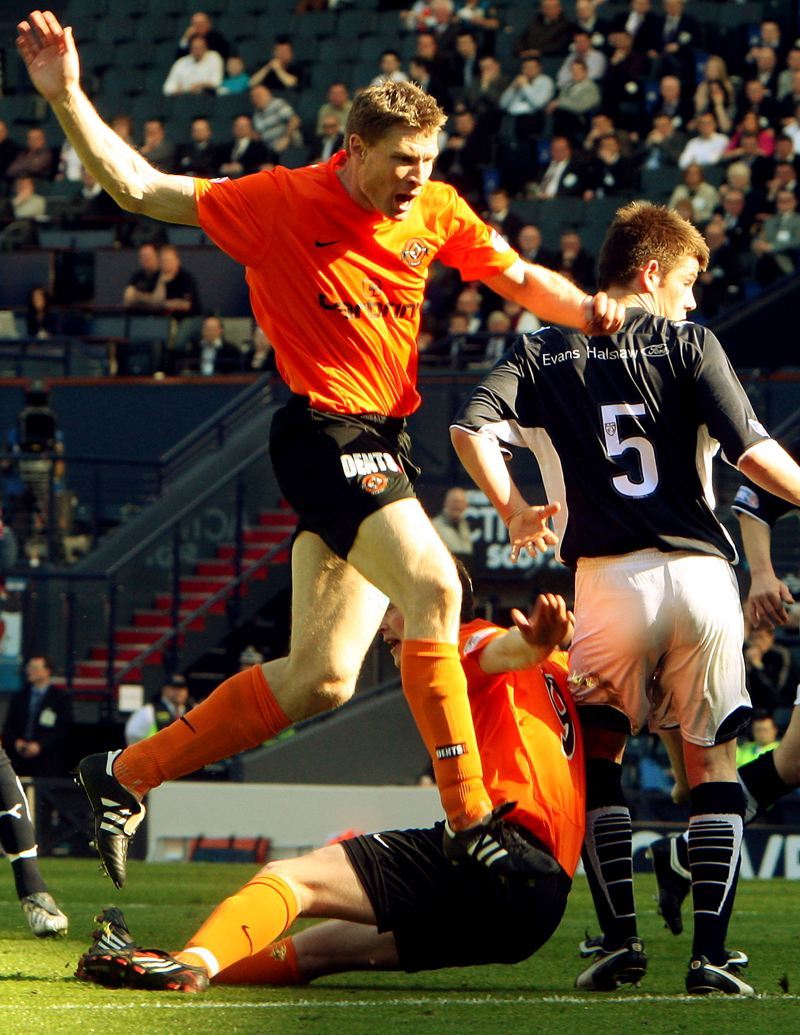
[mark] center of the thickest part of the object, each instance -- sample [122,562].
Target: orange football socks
[240,714]
[275,965]
[243,925]
[436,690]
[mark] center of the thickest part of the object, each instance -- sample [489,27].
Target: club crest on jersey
[374,483]
[414,251]
[610,429]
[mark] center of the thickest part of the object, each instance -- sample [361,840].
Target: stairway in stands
[209,577]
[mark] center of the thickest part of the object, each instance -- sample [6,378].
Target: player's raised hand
[528,530]
[49,53]
[550,624]
[604,315]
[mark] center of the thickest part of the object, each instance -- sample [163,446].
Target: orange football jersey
[338,289]
[530,743]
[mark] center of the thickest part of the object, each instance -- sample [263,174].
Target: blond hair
[379,109]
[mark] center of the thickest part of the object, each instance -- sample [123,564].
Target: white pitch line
[432,1000]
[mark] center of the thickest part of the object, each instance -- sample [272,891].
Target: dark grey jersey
[624,428]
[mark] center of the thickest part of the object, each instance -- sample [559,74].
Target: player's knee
[324,692]
[435,595]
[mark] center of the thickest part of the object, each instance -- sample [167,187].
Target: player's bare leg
[673,742]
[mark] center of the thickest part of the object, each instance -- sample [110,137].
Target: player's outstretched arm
[555,299]
[484,462]
[51,58]
[532,640]
[764,604]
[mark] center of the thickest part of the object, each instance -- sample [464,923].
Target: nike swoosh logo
[324,244]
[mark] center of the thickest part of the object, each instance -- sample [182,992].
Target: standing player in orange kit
[337,257]
[398,904]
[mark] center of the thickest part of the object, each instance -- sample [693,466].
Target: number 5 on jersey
[615,446]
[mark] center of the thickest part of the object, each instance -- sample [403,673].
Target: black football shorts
[452,916]
[335,469]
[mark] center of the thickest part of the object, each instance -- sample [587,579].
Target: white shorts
[659,636]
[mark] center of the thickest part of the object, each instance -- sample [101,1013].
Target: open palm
[49,54]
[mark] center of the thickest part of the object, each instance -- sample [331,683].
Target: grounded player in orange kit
[398,903]
[337,257]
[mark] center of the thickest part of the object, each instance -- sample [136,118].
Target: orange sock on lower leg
[240,714]
[243,925]
[275,965]
[436,690]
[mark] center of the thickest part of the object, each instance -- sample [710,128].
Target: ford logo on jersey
[654,351]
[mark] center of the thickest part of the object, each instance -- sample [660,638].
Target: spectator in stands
[250,656]
[763,66]
[478,15]
[422,72]
[236,80]
[274,120]
[788,102]
[337,103]
[594,59]
[791,128]
[716,93]
[282,71]
[139,289]
[40,322]
[575,101]
[680,38]
[483,96]
[663,145]
[622,86]
[522,320]
[260,357]
[548,33]
[674,102]
[200,156]
[526,98]
[784,178]
[172,703]
[563,176]
[37,723]
[707,146]
[738,220]
[786,75]
[462,157]
[211,354]
[70,167]
[574,261]
[602,125]
[157,148]
[529,244]
[642,25]
[427,46]
[176,288]
[246,152]
[588,21]
[500,216]
[463,69]
[777,246]
[92,207]
[35,159]
[749,125]
[122,125]
[719,285]
[769,35]
[756,99]
[329,141]
[751,155]
[201,25]
[453,527]
[9,149]
[421,15]
[390,67]
[25,202]
[703,197]
[609,173]
[468,305]
[201,71]
[763,737]
[498,326]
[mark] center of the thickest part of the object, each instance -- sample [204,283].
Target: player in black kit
[624,428]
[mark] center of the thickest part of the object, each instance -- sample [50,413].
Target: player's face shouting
[675,294]
[393,171]
[391,629]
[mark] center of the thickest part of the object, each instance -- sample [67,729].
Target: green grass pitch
[164,903]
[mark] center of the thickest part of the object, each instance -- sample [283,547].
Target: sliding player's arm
[532,640]
[51,58]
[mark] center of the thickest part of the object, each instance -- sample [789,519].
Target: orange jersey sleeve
[530,743]
[338,289]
